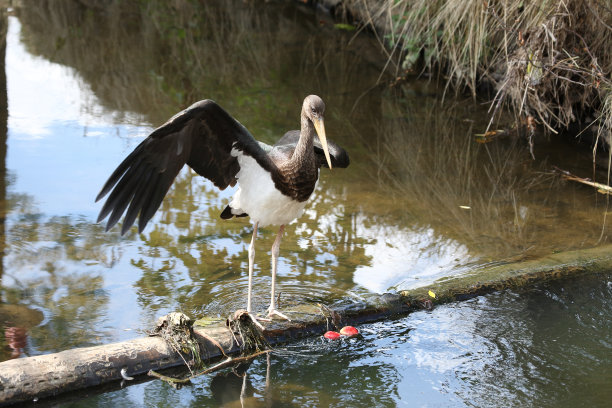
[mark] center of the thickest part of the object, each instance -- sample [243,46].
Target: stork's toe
[273,312]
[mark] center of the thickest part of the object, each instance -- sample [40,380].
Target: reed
[549,61]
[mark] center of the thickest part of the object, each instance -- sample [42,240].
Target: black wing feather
[116,175]
[202,136]
[121,196]
[141,193]
[152,202]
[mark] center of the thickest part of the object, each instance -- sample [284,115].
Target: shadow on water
[256,61]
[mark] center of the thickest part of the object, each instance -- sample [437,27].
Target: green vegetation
[549,61]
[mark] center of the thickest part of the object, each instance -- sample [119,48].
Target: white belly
[257,196]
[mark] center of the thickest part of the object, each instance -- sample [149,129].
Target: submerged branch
[229,361]
[601,188]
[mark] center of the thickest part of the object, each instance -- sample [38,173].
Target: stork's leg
[251,266]
[275,249]
[243,389]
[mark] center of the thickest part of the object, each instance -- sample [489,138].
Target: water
[548,346]
[84,87]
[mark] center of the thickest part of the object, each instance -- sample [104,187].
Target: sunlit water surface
[421,200]
[549,346]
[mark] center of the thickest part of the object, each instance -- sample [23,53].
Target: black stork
[275,182]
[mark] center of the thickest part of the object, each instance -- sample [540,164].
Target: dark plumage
[274,181]
[202,137]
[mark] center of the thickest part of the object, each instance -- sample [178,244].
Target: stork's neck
[304,149]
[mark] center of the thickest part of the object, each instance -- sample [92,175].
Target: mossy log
[492,277]
[36,377]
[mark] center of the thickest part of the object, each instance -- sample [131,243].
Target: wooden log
[513,275]
[25,379]
[47,375]
[36,377]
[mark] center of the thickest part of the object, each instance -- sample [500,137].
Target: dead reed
[549,61]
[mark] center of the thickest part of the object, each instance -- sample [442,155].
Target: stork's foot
[254,320]
[273,312]
[244,315]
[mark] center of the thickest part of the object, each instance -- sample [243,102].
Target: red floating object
[349,331]
[332,335]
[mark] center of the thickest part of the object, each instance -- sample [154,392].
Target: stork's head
[313,108]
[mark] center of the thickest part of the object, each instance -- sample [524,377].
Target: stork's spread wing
[339,157]
[202,136]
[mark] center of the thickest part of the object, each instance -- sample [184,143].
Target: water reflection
[44,256]
[15,322]
[3,135]
[490,198]
[510,349]
[548,346]
[396,217]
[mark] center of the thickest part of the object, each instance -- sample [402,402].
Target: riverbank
[549,62]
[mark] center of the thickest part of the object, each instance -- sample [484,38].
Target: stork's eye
[313,110]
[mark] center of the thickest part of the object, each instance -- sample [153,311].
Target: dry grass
[550,61]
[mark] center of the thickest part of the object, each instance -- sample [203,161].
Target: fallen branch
[601,188]
[229,361]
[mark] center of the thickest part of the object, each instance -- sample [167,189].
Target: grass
[549,61]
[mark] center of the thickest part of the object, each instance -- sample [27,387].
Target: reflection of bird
[274,181]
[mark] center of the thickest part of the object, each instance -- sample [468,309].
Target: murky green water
[84,86]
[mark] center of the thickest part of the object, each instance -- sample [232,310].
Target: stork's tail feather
[227,213]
